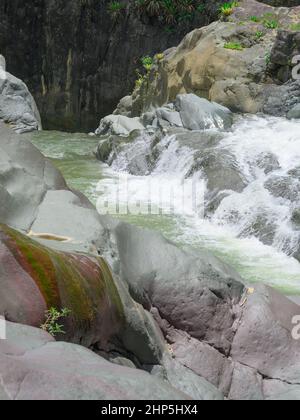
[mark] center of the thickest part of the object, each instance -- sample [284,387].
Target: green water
[73,155]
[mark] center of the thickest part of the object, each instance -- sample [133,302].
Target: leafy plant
[268,58]
[270,23]
[147,63]
[233,46]
[259,34]
[170,11]
[51,324]
[226,9]
[115,9]
[159,57]
[255,19]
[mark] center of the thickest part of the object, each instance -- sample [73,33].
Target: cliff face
[76,60]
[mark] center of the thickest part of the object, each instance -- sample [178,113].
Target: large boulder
[35,367]
[17,106]
[34,198]
[199,114]
[194,291]
[34,278]
[118,125]
[232,62]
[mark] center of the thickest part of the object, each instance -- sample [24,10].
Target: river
[228,237]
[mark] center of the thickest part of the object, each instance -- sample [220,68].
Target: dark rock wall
[75,59]
[278,3]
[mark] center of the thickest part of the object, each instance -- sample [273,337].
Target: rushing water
[229,232]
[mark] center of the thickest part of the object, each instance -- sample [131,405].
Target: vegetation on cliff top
[167,11]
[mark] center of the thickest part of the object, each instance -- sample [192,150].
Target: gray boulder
[264,338]
[294,112]
[199,114]
[33,367]
[17,106]
[119,125]
[193,290]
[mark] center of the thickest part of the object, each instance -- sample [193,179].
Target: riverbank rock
[118,125]
[35,367]
[17,106]
[243,63]
[194,291]
[35,278]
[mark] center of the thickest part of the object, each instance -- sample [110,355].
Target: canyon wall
[76,59]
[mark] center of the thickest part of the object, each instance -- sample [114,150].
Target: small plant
[115,9]
[52,317]
[234,46]
[226,9]
[270,23]
[268,58]
[147,63]
[259,34]
[159,57]
[255,19]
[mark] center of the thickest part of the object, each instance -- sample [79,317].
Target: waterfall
[251,177]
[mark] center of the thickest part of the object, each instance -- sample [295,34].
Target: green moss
[78,282]
[112,289]
[35,260]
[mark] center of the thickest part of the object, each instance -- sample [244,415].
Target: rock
[199,114]
[173,117]
[294,112]
[47,370]
[110,146]
[226,63]
[76,83]
[119,125]
[264,339]
[283,186]
[296,217]
[188,382]
[280,391]
[194,291]
[34,278]
[268,162]
[17,106]
[124,107]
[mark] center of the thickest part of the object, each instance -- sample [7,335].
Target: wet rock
[118,125]
[268,162]
[200,114]
[294,112]
[283,186]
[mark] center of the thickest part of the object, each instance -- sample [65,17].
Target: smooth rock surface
[17,106]
[35,367]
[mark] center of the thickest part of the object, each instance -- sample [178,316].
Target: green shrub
[115,9]
[259,34]
[226,9]
[52,317]
[233,46]
[270,23]
[170,11]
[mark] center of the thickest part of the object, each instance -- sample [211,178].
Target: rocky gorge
[151,318]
